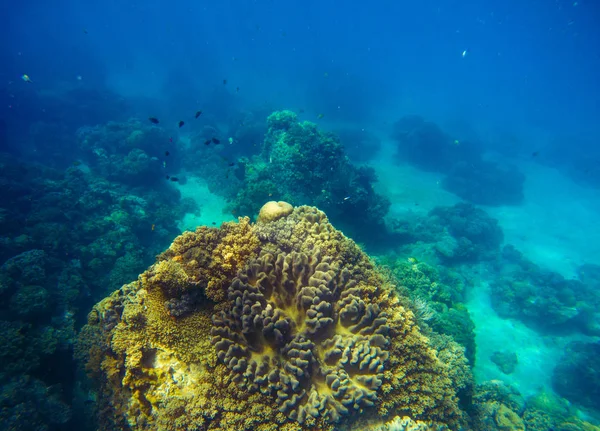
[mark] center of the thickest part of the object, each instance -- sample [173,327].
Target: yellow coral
[149,346]
[507,420]
[274,210]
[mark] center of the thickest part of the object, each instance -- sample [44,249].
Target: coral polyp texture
[278,325]
[298,328]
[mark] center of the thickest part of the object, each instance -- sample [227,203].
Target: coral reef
[505,361]
[359,144]
[476,235]
[405,424]
[127,152]
[451,235]
[577,375]
[300,164]
[500,407]
[425,145]
[67,239]
[486,183]
[36,331]
[437,296]
[544,299]
[290,327]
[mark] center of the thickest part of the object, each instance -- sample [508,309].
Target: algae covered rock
[283,324]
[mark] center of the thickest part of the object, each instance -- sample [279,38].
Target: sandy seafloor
[557,227]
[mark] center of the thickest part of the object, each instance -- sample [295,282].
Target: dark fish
[167,177]
[215,141]
[535,154]
[167,153]
[207,142]
[237,89]
[181,123]
[214,223]
[153,120]
[231,164]
[198,113]
[174,179]
[224,82]
[85,31]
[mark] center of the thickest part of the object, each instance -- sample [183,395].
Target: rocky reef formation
[302,164]
[284,324]
[468,173]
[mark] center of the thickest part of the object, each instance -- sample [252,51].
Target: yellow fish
[26,78]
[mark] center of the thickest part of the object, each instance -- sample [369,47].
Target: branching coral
[293,329]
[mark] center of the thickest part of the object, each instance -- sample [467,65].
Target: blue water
[492,103]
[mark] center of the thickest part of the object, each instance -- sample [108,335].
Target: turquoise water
[455,143]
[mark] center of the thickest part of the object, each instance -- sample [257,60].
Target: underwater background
[456,143]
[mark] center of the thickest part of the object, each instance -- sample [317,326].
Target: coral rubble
[282,324]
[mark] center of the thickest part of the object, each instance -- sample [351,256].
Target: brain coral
[281,325]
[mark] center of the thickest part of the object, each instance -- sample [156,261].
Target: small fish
[85,31]
[198,113]
[26,78]
[215,141]
[153,120]
[230,140]
[231,164]
[237,89]
[347,197]
[320,116]
[167,177]
[456,142]
[167,153]
[164,166]
[326,75]
[214,223]
[171,139]
[76,163]
[535,154]
[207,142]
[174,179]
[465,53]
[224,82]
[153,226]
[181,123]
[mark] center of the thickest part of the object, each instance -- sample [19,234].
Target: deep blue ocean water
[472,130]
